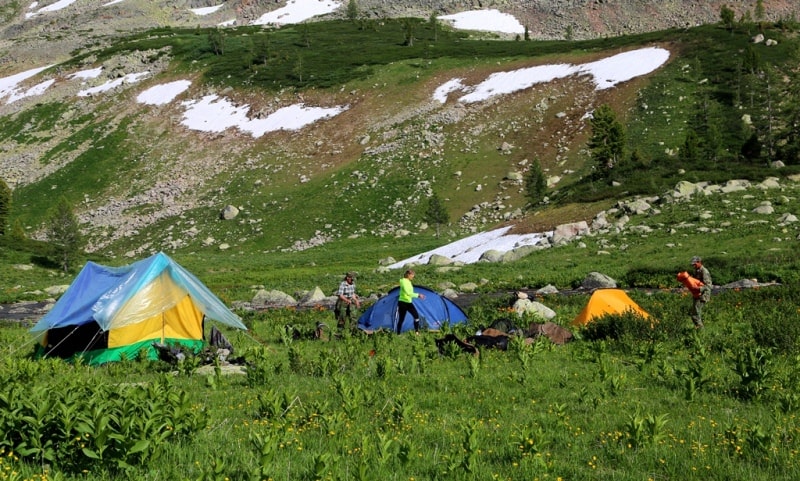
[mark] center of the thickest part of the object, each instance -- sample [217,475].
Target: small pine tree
[535,183]
[751,149]
[727,15]
[690,153]
[17,232]
[434,21]
[5,205]
[64,234]
[760,11]
[607,142]
[352,10]
[217,40]
[408,29]
[436,212]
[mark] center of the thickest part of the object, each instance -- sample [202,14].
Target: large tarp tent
[435,310]
[108,313]
[607,301]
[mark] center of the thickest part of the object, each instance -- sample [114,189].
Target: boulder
[229,212]
[313,297]
[567,232]
[527,307]
[596,280]
[439,260]
[272,298]
[492,255]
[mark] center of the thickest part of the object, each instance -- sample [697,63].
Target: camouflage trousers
[345,313]
[698,303]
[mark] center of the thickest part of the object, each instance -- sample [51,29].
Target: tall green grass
[663,401]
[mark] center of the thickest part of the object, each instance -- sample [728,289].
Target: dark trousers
[402,309]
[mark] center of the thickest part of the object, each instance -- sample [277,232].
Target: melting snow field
[485,21]
[216,114]
[470,249]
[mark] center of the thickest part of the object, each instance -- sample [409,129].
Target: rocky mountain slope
[177,170]
[32,40]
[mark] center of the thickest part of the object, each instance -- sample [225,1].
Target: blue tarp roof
[99,292]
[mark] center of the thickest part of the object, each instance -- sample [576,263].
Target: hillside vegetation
[141,182]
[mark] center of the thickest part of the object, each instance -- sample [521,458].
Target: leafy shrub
[618,326]
[649,277]
[776,327]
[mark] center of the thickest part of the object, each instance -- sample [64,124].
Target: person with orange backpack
[700,286]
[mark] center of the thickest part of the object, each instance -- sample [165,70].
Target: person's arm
[706,277]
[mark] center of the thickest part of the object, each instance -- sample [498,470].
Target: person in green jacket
[405,301]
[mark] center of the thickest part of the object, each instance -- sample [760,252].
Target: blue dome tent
[435,310]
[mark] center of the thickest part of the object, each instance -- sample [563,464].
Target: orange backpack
[691,283]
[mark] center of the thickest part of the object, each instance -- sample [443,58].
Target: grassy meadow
[629,399]
[626,401]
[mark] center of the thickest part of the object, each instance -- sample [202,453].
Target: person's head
[409,274]
[697,261]
[350,277]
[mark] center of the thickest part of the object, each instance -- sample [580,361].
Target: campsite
[627,398]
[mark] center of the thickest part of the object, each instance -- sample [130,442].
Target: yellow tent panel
[182,321]
[607,301]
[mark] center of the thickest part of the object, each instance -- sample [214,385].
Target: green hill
[340,194]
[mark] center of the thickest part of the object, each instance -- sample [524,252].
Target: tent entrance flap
[70,340]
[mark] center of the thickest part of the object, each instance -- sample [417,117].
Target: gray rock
[548,289]
[596,280]
[565,233]
[764,208]
[313,297]
[229,212]
[272,298]
[439,260]
[492,255]
[525,307]
[56,290]
[386,261]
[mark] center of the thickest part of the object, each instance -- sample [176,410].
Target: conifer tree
[5,205]
[64,234]
[607,142]
[352,10]
[436,212]
[535,183]
[727,15]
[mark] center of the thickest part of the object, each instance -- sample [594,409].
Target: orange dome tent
[607,301]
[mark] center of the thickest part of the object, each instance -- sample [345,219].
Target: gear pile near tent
[435,311]
[607,301]
[112,313]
